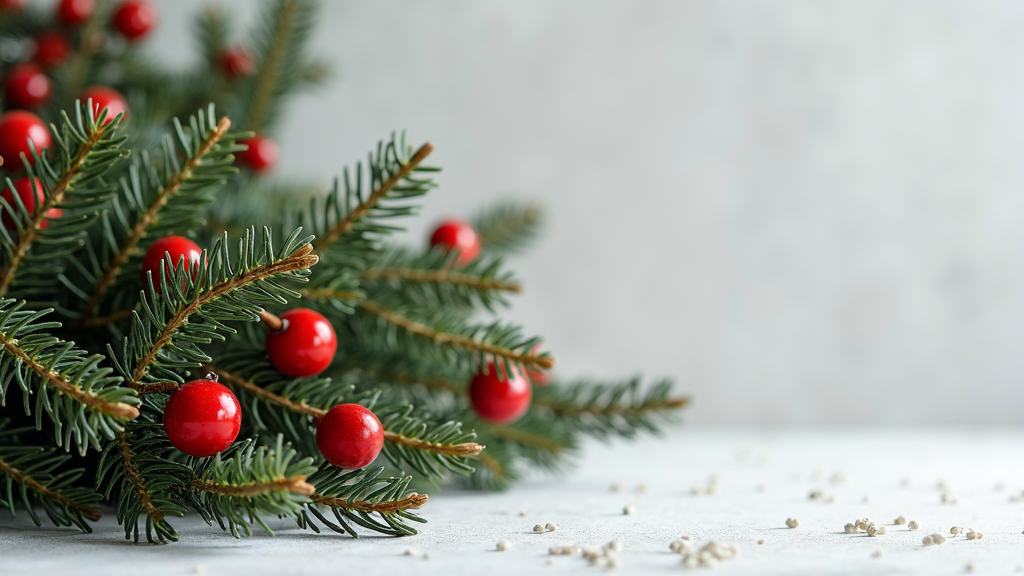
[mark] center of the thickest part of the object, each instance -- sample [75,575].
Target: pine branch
[362,498]
[610,409]
[84,150]
[507,227]
[188,185]
[41,478]
[83,400]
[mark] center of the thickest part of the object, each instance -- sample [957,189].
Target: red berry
[304,346]
[261,155]
[74,12]
[134,18]
[29,199]
[52,49]
[105,98]
[26,86]
[497,398]
[180,248]
[202,418]
[17,127]
[349,436]
[236,63]
[457,235]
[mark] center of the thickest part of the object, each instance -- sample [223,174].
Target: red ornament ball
[202,418]
[30,198]
[457,235]
[349,436]
[180,248]
[236,63]
[134,18]
[261,155]
[74,12]
[17,128]
[104,98]
[52,48]
[304,346]
[498,398]
[26,86]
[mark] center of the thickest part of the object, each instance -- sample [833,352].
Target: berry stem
[273,322]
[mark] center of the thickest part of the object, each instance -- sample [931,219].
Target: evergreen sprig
[605,409]
[508,227]
[363,498]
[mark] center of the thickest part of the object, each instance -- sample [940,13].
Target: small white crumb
[899,521]
[913,525]
[199,569]
[792,522]
[881,530]
[938,539]
[504,545]
[522,513]
[549,527]
[629,510]
[969,568]
[876,554]
[550,562]
[816,495]
[760,541]
[872,531]
[927,541]
[955,530]
[839,477]
[613,562]
[687,538]
[616,545]
[850,528]
[410,552]
[538,528]
[616,486]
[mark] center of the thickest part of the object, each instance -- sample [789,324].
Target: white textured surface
[464,527]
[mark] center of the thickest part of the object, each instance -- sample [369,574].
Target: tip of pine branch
[422,153]
[298,485]
[124,411]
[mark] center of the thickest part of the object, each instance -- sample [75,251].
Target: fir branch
[285,31]
[441,277]
[363,498]
[413,501]
[523,435]
[507,227]
[376,374]
[461,449]
[328,294]
[138,485]
[295,484]
[172,187]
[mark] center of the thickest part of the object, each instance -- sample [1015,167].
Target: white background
[807,213]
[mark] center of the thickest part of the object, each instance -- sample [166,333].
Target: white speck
[410,552]
[504,545]
[616,486]
[913,525]
[641,489]
[522,513]
[850,528]
[428,555]
[969,568]
[549,527]
[876,554]
[760,541]
[927,541]
[538,528]
[616,545]
[629,510]
[899,521]
[955,530]
[792,522]
[199,569]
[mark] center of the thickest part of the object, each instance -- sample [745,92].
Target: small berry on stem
[134,19]
[202,418]
[236,63]
[17,128]
[350,436]
[74,12]
[304,345]
[261,156]
[180,249]
[499,397]
[457,235]
[104,98]
[30,192]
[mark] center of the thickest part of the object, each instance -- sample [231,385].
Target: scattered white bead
[969,568]
[616,486]
[955,530]
[629,510]
[428,555]
[876,554]
[199,569]
[816,495]
[927,541]
[538,528]
[913,525]
[522,513]
[872,531]
[899,521]
[938,539]
[850,528]
[410,552]
[616,545]
[504,545]
[760,541]
[792,522]
[549,527]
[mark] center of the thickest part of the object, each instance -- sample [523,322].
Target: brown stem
[30,483]
[55,197]
[464,449]
[301,259]
[410,502]
[414,327]
[150,217]
[267,79]
[295,484]
[566,408]
[326,293]
[356,214]
[138,484]
[441,277]
[118,410]
[272,321]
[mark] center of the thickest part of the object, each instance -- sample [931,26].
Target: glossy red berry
[105,98]
[498,398]
[30,198]
[74,12]
[261,155]
[180,249]
[349,436]
[52,48]
[236,63]
[134,18]
[457,235]
[26,86]
[202,418]
[17,128]
[304,346]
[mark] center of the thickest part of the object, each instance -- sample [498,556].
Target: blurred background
[807,213]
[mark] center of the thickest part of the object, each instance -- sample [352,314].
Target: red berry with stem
[134,18]
[30,192]
[236,63]
[305,344]
[74,12]
[499,397]
[17,128]
[26,86]
[202,418]
[104,98]
[457,235]
[349,436]
[52,48]
[180,248]
[261,155]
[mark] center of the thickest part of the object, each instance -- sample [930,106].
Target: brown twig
[295,484]
[410,502]
[301,259]
[527,359]
[118,410]
[441,277]
[463,449]
[564,408]
[150,217]
[346,223]
[273,322]
[327,293]
[138,484]
[30,483]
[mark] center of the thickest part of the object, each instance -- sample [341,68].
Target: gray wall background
[808,213]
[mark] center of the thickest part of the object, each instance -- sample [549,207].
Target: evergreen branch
[507,227]
[83,400]
[441,277]
[523,435]
[296,484]
[348,222]
[497,468]
[131,474]
[268,78]
[377,374]
[39,488]
[525,358]
[171,188]
[328,294]
[462,449]
[411,502]
[364,498]
[263,394]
